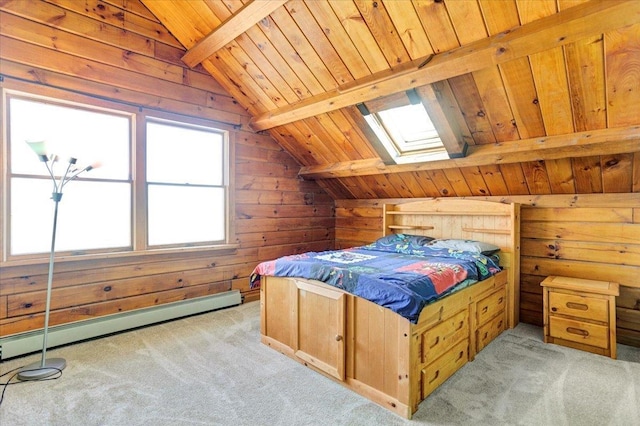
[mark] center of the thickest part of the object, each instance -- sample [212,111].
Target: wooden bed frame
[376,352]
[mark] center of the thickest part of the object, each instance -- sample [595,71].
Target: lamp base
[36,371]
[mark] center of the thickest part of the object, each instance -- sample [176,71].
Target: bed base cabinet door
[319,340]
[276,322]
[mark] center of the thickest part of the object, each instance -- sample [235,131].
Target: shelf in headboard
[423,227]
[488,231]
[436,213]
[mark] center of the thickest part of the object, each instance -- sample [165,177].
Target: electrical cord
[15,372]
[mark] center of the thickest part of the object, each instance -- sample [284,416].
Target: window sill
[152,254]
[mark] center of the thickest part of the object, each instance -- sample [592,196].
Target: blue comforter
[399,279]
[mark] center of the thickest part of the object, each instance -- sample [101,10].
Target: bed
[394,359]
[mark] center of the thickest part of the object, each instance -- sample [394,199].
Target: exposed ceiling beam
[446,126]
[568,26]
[248,15]
[583,144]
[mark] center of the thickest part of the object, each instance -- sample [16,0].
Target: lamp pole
[48,367]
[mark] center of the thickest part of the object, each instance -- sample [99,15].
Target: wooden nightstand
[580,314]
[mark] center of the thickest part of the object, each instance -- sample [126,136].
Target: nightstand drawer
[579,332]
[586,307]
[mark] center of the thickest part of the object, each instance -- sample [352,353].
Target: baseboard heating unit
[24,343]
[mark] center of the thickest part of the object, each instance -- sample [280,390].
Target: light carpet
[211,369]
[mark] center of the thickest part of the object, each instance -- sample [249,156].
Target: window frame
[225,178]
[76,104]
[139,246]
[404,146]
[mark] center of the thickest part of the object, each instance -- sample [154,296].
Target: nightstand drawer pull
[578,331]
[579,306]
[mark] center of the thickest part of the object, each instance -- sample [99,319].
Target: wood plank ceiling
[543,92]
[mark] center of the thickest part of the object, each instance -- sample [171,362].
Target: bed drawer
[579,332]
[490,306]
[580,306]
[441,369]
[489,331]
[442,337]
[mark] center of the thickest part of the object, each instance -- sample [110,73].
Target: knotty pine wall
[594,236]
[118,51]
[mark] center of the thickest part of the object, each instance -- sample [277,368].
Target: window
[186,186]
[406,131]
[180,198]
[95,212]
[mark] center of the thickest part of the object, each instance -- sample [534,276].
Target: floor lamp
[48,367]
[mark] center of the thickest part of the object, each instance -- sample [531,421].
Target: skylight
[407,133]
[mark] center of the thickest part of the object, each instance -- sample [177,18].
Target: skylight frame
[428,148]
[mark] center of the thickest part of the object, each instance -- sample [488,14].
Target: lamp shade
[40,148]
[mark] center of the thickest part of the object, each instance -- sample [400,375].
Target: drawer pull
[435,376]
[500,300]
[435,342]
[485,309]
[338,338]
[579,306]
[460,355]
[486,334]
[578,331]
[460,326]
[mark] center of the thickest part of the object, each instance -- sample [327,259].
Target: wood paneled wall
[584,236]
[118,51]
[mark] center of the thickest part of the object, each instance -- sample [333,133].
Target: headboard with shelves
[467,219]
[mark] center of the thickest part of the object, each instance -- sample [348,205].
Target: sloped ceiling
[543,94]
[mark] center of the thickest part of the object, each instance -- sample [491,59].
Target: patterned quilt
[403,280]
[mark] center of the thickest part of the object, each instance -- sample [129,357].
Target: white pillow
[466,245]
